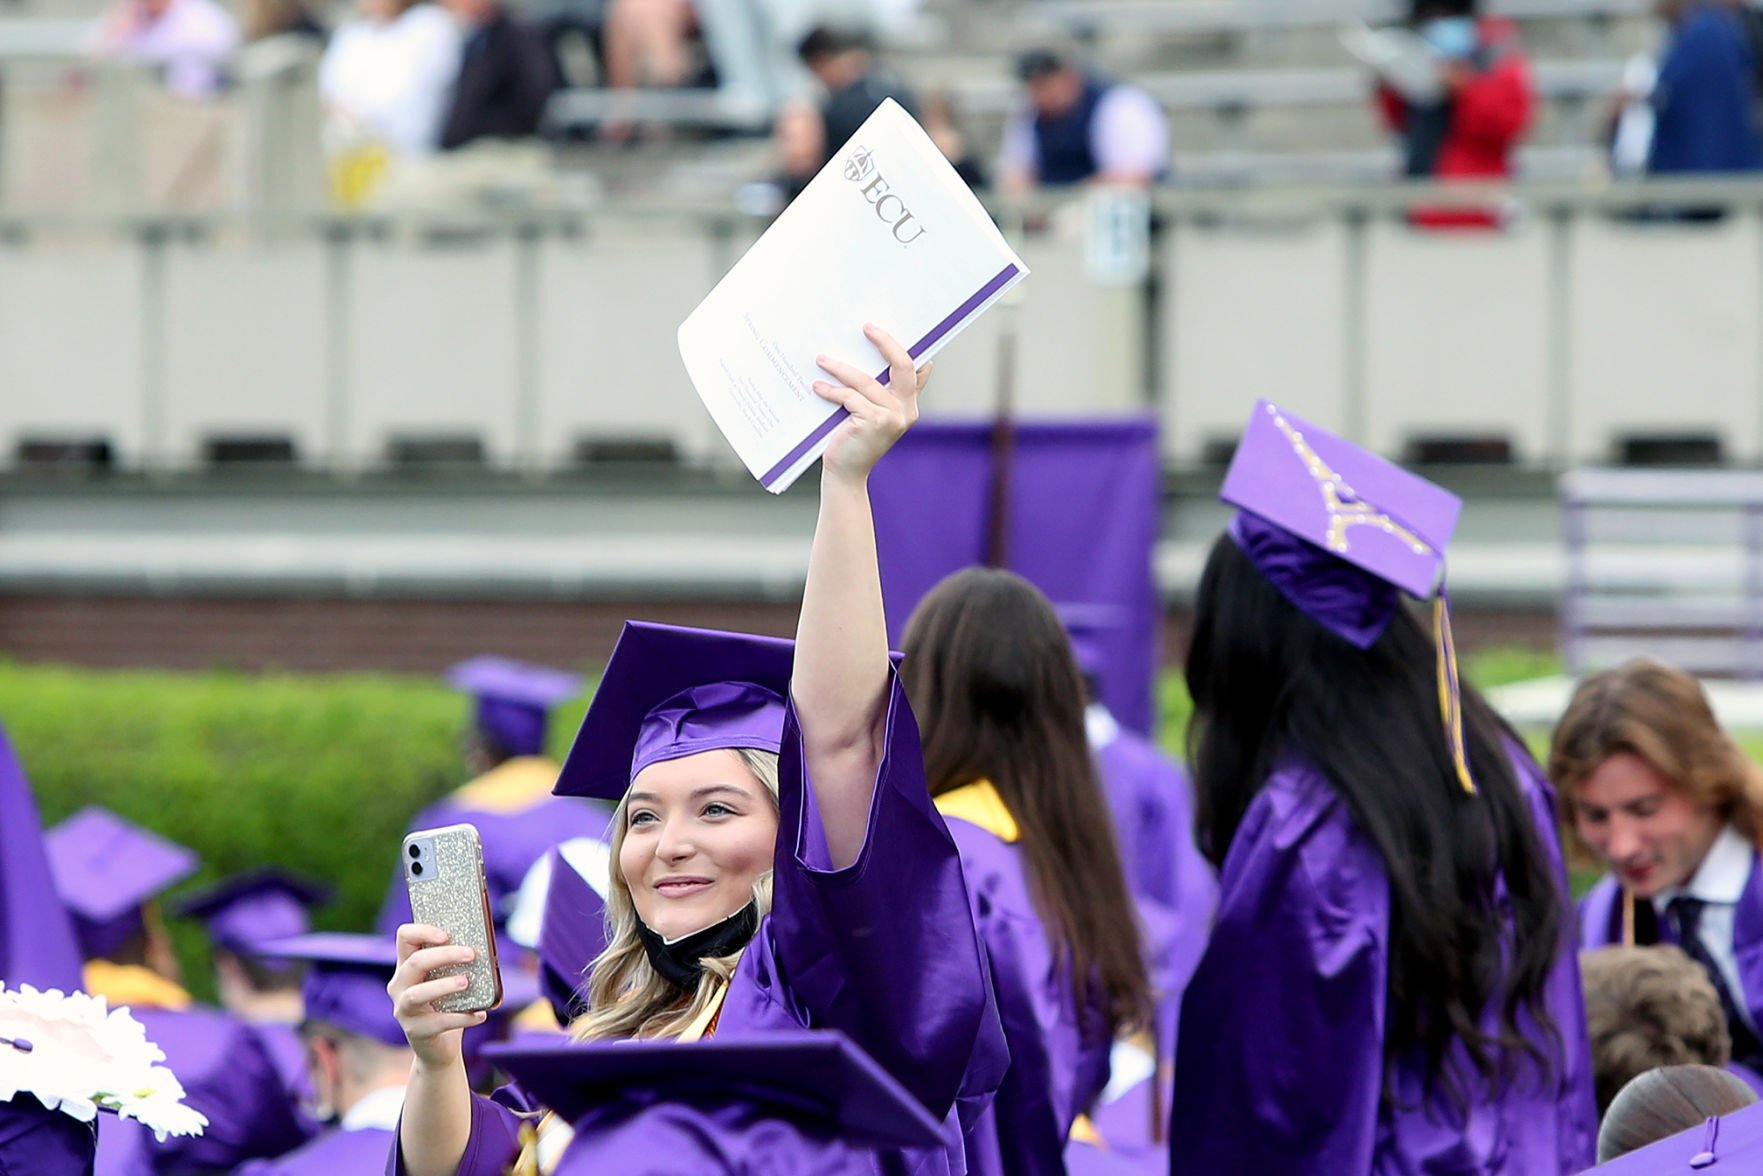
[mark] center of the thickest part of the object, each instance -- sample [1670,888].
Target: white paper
[1401,58]
[886,234]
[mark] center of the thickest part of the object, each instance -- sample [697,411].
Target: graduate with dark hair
[1000,701]
[1390,986]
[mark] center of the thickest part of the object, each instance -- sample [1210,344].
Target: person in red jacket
[1471,128]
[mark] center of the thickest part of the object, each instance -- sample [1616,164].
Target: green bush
[320,774]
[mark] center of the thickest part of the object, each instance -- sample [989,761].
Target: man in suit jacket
[506,75]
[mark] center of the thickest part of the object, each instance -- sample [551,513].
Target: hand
[435,1037]
[880,413]
[1457,75]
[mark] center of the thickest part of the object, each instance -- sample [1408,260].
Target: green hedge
[320,774]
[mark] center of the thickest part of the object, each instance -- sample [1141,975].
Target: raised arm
[840,683]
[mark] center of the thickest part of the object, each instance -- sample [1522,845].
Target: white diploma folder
[886,234]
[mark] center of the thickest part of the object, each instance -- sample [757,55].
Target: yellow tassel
[1450,699]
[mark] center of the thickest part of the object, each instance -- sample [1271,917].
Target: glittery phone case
[448,890]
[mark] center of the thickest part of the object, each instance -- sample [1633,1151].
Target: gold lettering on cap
[1346,509]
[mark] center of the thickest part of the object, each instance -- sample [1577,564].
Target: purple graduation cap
[1722,1146]
[250,909]
[514,699]
[816,1080]
[345,982]
[571,936]
[106,870]
[1090,627]
[670,692]
[1340,532]
[37,943]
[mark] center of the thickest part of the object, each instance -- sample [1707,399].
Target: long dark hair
[1269,683]
[999,697]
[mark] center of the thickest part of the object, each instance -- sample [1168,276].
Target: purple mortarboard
[1340,532]
[572,936]
[1723,1146]
[345,982]
[247,910]
[106,870]
[37,943]
[514,699]
[819,1078]
[1090,626]
[669,692]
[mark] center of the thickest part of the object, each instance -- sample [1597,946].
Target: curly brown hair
[1647,1007]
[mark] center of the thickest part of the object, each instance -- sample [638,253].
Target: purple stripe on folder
[948,324]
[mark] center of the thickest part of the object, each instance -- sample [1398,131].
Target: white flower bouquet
[74,1054]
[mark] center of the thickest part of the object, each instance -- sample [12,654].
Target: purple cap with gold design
[106,870]
[1339,531]
[514,699]
[670,692]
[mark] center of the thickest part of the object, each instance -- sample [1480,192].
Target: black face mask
[682,961]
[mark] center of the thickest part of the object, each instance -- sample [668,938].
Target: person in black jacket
[506,75]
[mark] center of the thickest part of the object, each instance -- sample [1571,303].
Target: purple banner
[1083,521]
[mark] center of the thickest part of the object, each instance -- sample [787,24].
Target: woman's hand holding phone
[434,1036]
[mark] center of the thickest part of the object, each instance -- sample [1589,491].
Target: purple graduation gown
[513,842]
[1056,1068]
[884,950]
[1152,802]
[281,1042]
[228,1076]
[35,1141]
[333,1153]
[1280,1067]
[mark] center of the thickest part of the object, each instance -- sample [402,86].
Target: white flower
[77,1055]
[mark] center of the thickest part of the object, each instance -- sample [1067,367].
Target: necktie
[1685,915]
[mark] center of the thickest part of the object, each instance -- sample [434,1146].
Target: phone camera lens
[416,851]
[416,868]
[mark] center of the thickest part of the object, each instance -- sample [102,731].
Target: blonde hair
[627,997]
[1661,715]
[1648,1007]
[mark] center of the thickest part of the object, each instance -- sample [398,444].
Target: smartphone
[444,871]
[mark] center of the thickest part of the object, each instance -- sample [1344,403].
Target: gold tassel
[1450,698]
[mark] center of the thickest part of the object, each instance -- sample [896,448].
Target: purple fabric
[572,935]
[1280,1062]
[1735,1143]
[345,981]
[35,1141]
[1083,518]
[1346,600]
[229,1077]
[709,718]
[883,951]
[513,842]
[1285,470]
[37,942]
[1056,1068]
[334,1153]
[281,1044]
[106,869]
[1132,1133]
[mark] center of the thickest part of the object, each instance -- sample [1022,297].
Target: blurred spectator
[506,75]
[1648,1007]
[1078,126]
[188,41]
[1631,118]
[942,122]
[1706,101]
[648,43]
[1472,130]
[1661,1103]
[388,75]
[843,62]
[264,19]
[798,140]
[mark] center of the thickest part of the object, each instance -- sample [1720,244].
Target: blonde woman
[1665,798]
[777,863]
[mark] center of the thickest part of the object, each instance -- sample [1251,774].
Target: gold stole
[553,1132]
[133,986]
[979,804]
